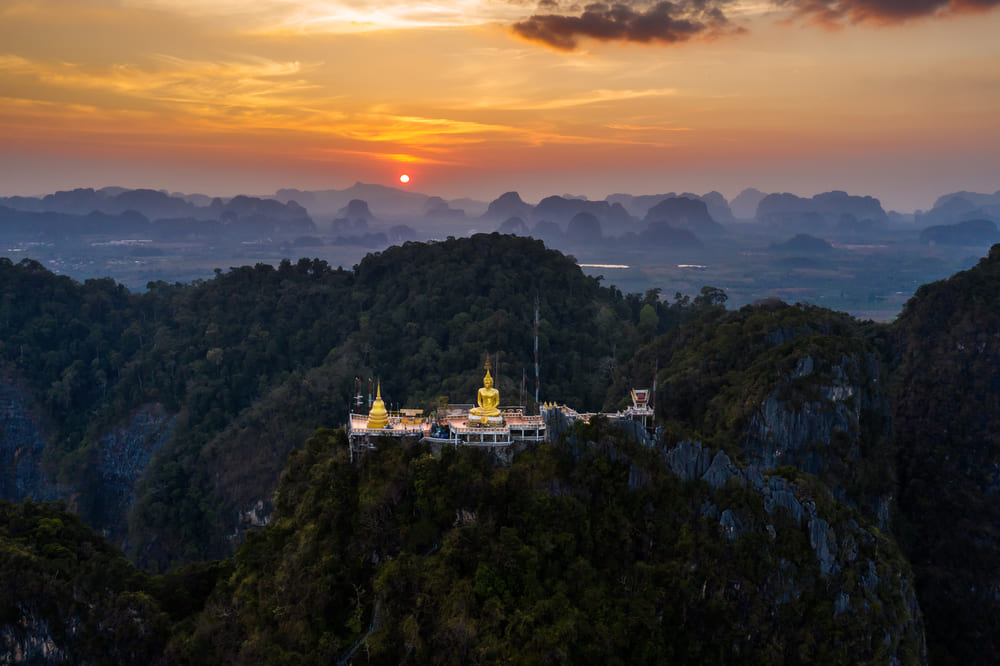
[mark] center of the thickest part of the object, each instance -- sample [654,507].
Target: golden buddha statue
[378,417]
[488,399]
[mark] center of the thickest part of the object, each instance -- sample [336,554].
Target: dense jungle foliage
[254,360]
[561,557]
[588,550]
[69,596]
[945,352]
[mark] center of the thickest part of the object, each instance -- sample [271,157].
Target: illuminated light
[404,178]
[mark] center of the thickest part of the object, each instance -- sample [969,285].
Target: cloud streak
[664,22]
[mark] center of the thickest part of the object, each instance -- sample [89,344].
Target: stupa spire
[378,417]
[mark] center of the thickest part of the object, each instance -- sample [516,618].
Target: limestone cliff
[110,472]
[827,417]
[859,566]
[776,385]
[22,443]
[123,454]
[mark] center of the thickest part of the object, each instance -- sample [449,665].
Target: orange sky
[474,97]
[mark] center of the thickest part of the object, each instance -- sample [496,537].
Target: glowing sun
[404,178]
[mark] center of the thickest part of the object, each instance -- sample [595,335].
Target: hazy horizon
[532,200]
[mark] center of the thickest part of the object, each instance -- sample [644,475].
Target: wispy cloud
[254,82]
[554,103]
[406,158]
[417,130]
[648,128]
[340,16]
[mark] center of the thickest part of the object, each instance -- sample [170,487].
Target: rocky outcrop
[116,463]
[353,218]
[514,225]
[684,213]
[960,206]
[21,445]
[507,205]
[802,244]
[717,205]
[30,641]
[584,228]
[823,211]
[968,232]
[861,568]
[437,208]
[826,419]
[562,209]
[744,205]
[123,454]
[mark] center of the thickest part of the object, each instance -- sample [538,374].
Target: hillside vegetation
[818,489]
[242,368]
[945,351]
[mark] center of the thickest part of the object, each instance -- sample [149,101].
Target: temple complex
[485,424]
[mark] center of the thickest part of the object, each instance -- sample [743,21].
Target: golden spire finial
[487,364]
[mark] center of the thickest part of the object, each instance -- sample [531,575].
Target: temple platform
[451,428]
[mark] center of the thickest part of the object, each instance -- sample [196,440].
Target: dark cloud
[664,22]
[839,12]
[672,22]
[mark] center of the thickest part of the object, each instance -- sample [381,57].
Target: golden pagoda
[378,417]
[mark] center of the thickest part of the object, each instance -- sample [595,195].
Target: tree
[711,296]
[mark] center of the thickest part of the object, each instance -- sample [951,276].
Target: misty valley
[836,250]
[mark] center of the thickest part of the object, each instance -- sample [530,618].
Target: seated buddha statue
[488,399]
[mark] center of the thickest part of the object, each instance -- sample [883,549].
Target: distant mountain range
[360,209]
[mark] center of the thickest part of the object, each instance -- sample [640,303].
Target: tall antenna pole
[536,353]
[652,398]
[524,380]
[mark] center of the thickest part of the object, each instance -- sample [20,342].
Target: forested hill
[165,417]
[945,354]
[813,479]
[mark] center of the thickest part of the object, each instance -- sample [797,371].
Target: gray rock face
[846,555]
[689,460]
[30,642]
[720,471]
[823,540]
[123,455]
[120,458]
[779,492]
[814,420]
[21,445]
[780,433]
[732,526]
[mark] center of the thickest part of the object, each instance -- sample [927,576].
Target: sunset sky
[893,98]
